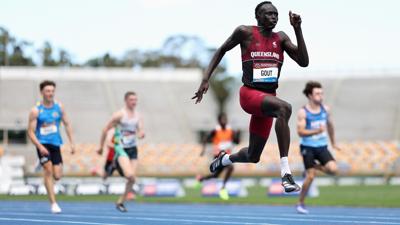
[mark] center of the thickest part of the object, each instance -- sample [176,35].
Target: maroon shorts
[251,100]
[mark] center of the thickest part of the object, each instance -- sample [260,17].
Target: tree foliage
[177,51]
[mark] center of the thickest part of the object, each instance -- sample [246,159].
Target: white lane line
[211,217]
[389,216]
[295,215]
[54,221]
[200,208]
[199,221]
[136,218]
[252,215]
[344,217]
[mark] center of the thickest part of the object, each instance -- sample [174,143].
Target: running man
[44,132]
[314,125]
[128,126]
[110,165]
[222,138]
[262,59]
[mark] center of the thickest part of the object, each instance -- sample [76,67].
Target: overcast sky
[341,35]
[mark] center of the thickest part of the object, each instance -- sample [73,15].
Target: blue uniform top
[314,121]
[48,124]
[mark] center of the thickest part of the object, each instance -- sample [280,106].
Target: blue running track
[100,213]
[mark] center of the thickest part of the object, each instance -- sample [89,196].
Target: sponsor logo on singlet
[264,54]
[55,115]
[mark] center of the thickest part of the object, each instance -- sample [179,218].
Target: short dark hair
[261,4]
[45,83]
[310,85]
[129,93]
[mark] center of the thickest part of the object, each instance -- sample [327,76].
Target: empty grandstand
[366,114]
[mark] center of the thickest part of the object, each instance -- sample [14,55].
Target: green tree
[5,40]
[17,57]
[221,87]
[107,60]
[47,55]
[64,58]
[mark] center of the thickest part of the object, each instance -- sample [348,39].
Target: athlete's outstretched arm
[235,39]
[109,138]
[206,138]
[298,53]
[116,117]
[31,131]
[331,129]
[68,129]
[141,133]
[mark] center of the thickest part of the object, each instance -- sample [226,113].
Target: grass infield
[361,196]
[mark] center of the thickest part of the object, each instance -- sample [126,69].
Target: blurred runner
[128,126]
[314,125]
[44,131]
[223,138]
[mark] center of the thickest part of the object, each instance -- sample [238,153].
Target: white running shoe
[55,208]
[301,209]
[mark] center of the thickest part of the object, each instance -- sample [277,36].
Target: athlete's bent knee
[130,178]
[285,110]
[56,177]
[310,175]
[332,170]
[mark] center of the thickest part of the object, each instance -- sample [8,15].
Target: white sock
[226,161]
[285,166]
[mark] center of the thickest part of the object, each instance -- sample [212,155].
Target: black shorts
[310,154]
[111,166]
[54,155]
[132,152]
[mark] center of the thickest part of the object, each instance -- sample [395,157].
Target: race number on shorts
[265,72]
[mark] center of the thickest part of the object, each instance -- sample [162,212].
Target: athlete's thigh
[125,165]
[325,157]
[308,157]
[57,170]
[56,160]
[133,163]
[331,165]
[48,168]
[271,105]
[260,126]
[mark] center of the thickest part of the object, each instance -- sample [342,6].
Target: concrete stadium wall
[91,95]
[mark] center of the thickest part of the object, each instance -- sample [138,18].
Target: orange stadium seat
[163,159]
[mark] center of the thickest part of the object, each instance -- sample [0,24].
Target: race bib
[50,129]
[225,145]
[129,139]
[265,72]
[319,136]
